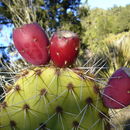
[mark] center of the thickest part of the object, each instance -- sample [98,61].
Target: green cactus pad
[48,98]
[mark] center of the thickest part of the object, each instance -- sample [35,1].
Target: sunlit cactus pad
[48,98]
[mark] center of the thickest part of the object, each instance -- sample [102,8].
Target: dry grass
[121,119]
[22,11]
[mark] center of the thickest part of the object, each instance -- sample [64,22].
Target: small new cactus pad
[48,98]
[32,43]
[64,48]
[116,94]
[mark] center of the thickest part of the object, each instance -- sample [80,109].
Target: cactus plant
[50,98]
[53,99]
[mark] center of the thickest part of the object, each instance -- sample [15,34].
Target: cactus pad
[48,98]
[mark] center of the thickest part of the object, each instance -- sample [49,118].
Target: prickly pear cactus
[48,98]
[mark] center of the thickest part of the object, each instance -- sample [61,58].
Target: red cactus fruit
[32,43]
[64,48]
[116,94]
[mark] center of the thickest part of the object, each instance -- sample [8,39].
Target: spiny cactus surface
[48,98]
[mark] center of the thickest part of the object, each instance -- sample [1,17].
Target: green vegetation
[99,24]
[50,14]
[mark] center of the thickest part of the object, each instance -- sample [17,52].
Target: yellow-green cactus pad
[53,99]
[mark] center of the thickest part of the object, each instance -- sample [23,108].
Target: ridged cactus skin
[48,98]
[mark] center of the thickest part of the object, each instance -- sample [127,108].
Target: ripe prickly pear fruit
[55,99]
[117,92]
[32,43]
[64,48]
